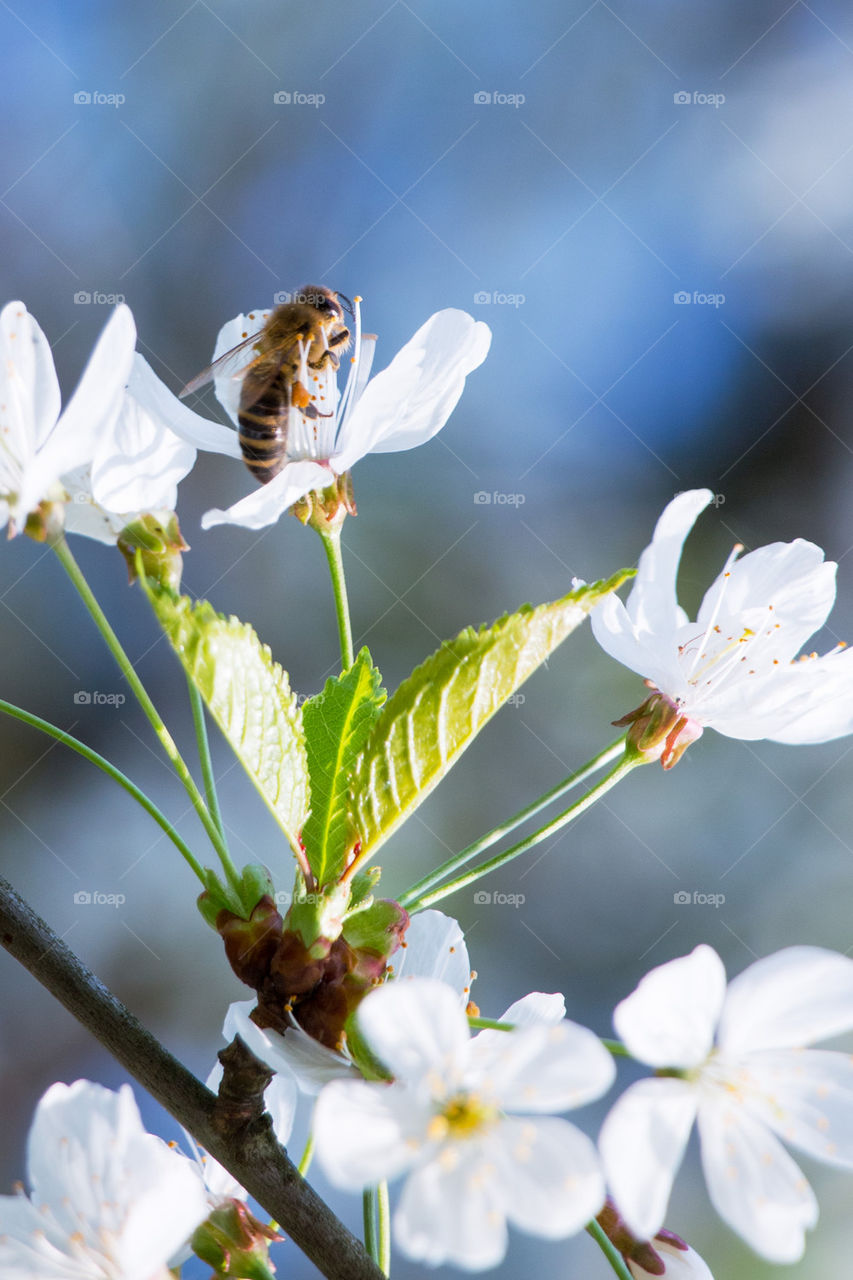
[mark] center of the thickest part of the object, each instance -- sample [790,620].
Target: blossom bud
[252,944]
[45,524]
[235,1243]
[152,545]
[325,510]
[659,730]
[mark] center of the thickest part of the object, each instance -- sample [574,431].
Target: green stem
[71,567]
[204,757]
[371,1228]
[616,1047]
[574,811]
[75,744]
[489,1024]
[605,757]
[608,1248]
[307,1156]
[331,539]
[383,1211]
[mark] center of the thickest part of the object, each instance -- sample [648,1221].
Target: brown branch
[250,1152]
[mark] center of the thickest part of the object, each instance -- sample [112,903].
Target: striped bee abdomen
[263,426]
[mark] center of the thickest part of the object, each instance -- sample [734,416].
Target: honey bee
[309,330]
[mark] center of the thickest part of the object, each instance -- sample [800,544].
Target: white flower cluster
[472,1121]
[123,441]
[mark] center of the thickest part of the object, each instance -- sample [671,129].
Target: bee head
[323,299]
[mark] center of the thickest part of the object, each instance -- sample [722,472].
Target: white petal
[91,411]
[681,1264]
[367,1133]
[138,463]
[156,398]
[296,1054]
[652,604]
[407,403]
[806,1097]
[753,1182]
[535,1008]
[669,1020]
[550,1176]
[232,333]
[266,503]
[829,711]
[281,1097]
[791,998]
[541,1068]
[434,947]
[450,1211]
[83,515]
[642,1144]
[789,580]
[417,1029]
[32,1247]
[29,391]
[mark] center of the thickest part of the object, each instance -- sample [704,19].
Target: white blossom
[733,1060]
[110,454]
[402,407]
[108,1201]
[680,1264]
[734,668]
[467,1120]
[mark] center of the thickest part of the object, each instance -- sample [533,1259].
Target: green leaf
[336,723]
[249,697]
[438,711]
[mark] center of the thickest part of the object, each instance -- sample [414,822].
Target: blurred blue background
[652,207]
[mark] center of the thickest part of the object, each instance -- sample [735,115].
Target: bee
[310,331]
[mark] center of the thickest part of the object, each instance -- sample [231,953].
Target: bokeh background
[652,206]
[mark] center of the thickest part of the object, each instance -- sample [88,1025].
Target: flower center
[312,428]
[461,1116]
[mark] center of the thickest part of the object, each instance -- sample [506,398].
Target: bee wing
[233,364]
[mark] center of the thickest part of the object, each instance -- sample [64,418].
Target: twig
[250,1152]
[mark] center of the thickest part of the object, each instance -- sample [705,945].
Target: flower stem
[377,1238]
[331,539]
[605,757]
[75,744]
[616,1048]
[307,1156]
[71,567]
[574,811]
[204,757]
[611,1253]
